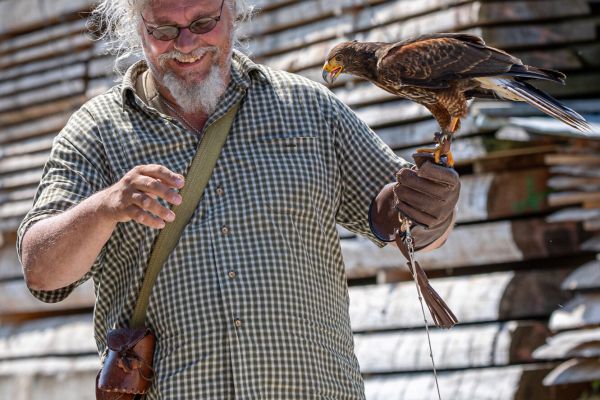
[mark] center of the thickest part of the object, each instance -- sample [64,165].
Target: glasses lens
[203,25]
[165,32]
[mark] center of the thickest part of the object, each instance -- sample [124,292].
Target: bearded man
[253,300]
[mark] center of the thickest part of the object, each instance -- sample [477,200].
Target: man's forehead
[166,7]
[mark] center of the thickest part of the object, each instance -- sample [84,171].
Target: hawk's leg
[443,141]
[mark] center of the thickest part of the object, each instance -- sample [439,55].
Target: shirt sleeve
[366,164]
[75,170]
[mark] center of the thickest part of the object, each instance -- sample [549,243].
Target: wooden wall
[520,269]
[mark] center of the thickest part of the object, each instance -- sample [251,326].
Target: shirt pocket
[288,172]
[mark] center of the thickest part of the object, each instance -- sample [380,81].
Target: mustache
[175,54]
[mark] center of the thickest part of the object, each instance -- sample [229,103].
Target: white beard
[203,97]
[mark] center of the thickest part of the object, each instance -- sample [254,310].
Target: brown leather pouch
[127,369]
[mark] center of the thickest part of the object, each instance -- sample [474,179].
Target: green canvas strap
[196,180]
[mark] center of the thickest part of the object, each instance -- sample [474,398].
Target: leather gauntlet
[427,194]
[127,369]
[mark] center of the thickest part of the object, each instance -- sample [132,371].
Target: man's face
[188,62]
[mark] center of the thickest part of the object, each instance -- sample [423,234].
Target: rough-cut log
[582,311]
[517,382]
[488,243]
[584,278]
[48,336]
[488,345]
[582,343]
[16,299]
[474,298]
[574,371]
[494,196]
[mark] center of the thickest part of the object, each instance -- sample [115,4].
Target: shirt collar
[243,73]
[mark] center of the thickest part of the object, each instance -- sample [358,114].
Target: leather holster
[127,369]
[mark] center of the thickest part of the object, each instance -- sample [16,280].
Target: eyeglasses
[198,26]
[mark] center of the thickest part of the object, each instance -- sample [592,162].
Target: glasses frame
[152,29]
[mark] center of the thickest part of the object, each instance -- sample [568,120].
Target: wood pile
[520,270]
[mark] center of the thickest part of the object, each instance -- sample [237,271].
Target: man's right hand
[135,196]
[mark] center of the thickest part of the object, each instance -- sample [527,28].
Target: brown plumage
[442,71]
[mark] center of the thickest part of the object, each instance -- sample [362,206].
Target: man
[253,301]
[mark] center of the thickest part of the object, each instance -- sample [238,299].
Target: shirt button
[225,230]
[219,190]
[237,322]
[232,274]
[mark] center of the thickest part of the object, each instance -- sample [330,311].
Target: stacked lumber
[518,269]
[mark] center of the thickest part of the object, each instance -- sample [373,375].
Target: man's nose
[187,41]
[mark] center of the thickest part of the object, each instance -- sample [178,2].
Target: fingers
[145,218]
[137,196]
[161,173]
[149,204]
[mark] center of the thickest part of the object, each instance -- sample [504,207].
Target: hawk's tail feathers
[546,103]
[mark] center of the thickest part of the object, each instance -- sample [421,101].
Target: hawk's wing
[433,61]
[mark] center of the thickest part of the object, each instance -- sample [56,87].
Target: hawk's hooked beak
[331,70]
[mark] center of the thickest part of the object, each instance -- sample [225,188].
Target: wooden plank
[28,114]
[570,344]
[416,18]
[16,299]
[20,15]
[64,46]
[577,183]
[481,244]
[582,311]
[9,263]
[44,35]
[20,179]
[52,92]
[49,378]
[474,298]
[517,382]
[21,162]
[15,208]
[301,13]
[28,146]
[584,278]
[43,79]
[488,345]
[63,335]
[574,371]
[571,198]
[40,66]
[38,127]
[573,214]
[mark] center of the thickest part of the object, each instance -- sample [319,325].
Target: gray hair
[116,21]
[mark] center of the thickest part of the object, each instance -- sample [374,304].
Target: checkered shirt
[253,301]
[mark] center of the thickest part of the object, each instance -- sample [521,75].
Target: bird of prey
[442,71]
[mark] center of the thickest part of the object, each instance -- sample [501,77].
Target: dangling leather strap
[196,180]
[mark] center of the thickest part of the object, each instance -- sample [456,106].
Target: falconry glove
[426,193]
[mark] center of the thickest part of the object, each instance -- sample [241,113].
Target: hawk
[442,72]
